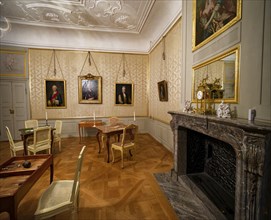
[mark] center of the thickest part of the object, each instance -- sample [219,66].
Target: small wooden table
[108,131]
[16,181]
[88,124]
[29,132]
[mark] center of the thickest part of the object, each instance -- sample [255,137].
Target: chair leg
[74,214]
[103,141]
[59,145]
[122,159]
[132,155]
[113,156]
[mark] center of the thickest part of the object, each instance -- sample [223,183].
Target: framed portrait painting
[124,94]
[12,63]
[90,89]
[212,17]
[163,91]
[55,93]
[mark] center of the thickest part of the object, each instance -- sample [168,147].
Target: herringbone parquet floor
[107,191]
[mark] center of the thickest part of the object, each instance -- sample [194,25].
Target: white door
[19,107]
[6,109]
[13,108]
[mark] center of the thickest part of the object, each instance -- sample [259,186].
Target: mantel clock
[205,98]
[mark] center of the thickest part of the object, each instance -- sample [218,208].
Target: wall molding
[225,41]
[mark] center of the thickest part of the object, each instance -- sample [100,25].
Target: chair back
[42,136]
[10,139]
[58,126]
[129,134]
[113,120]
[31,124]
[76,182]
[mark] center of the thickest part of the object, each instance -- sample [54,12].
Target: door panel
[19,106]
[6,106]
[13,108]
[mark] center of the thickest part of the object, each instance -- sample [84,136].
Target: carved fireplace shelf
[252,146]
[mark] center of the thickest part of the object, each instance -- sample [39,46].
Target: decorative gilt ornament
[202,95]
[206,93]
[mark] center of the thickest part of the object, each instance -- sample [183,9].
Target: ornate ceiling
[99,15]
[107,25]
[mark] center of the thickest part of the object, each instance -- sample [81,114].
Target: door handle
[11,111]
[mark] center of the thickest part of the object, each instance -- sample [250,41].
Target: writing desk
[29,132]
[16,181]
[108,131]
[88,124]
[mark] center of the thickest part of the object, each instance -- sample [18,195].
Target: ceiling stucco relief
[97,25]
[98,15]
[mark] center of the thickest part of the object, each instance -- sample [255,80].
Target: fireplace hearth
[228,160]
[211,165]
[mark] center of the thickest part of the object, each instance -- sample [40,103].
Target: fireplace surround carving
[252,145]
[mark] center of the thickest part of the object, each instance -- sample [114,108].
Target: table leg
[52,171]
[25,146]
[13,211]
[10,206]
[79,129]
[108,146]
[98,139]
[52,141]
[13,215]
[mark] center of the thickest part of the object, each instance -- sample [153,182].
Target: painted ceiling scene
[115,25]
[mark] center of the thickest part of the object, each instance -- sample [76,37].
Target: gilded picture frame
[55,94]
[224,67]
[163,91]
[90,89]
[12,63]
[211,18]
[124,94]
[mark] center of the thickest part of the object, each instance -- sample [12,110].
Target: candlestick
[134,116]
[46,118]
[94,116]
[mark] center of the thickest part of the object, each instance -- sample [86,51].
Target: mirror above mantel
[223,70]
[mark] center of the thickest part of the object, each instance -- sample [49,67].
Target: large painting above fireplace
[211,18]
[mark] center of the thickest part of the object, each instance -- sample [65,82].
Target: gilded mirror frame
[206,64]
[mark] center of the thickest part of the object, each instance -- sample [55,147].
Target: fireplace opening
[211,165]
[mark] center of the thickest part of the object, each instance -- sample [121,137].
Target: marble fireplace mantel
[252,145]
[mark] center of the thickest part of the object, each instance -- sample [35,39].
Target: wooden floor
[107,191]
